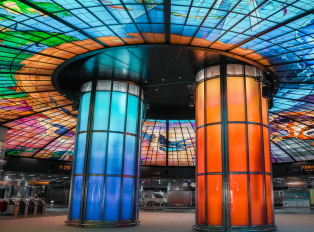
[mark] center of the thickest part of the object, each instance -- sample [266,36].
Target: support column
[105,176]
[233,165]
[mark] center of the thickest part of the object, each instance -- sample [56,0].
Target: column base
[233,229]
[95,224]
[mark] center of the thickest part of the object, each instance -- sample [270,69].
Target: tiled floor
[171,220]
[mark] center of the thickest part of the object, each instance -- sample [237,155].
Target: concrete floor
[160,221]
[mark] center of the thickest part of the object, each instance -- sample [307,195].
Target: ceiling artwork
[37,36]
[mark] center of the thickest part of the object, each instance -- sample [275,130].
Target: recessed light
[156,89]
[163,79]
[180,77]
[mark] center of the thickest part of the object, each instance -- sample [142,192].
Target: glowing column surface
[105,177]
[233,166]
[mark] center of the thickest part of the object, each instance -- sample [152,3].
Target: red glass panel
[200,150]
[237,147]
[213,148]
[239,209]
[214,200]
[213,100]
[255,148]
[253,100]
[257,199]
[201,199]
[200,105]
[264,110]
[269,200]
[266,150]
[235,95]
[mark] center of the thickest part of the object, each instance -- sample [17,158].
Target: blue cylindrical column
[105,180]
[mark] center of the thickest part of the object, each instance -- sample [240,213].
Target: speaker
[192,98]
[76,104]
[267,92]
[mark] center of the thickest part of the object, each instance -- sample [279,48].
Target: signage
[38,183]
[65,167]
[308,169]
[297,186]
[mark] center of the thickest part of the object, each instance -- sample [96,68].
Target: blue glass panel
[101,114]
[94,197]
[127,199]
[77,194]
[98,153]
[118,108]
[132,114]
[80,153]
[115,152]
[84,110]
[129,155]
[112,199]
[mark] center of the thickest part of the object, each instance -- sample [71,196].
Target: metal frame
[226,220]
[82,222]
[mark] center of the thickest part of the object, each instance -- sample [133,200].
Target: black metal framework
[226,173]
[108,87]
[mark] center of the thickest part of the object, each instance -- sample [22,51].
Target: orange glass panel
[213,148]
[257,199]
[237,147]
[213,100]
[239,209]
[235,96]
[253,100]
[200,155]
[214,200]
[264,110]
[255,148]
[269,200]
[200,105]
[266,150]
[201,199]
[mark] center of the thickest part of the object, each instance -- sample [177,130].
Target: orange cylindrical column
[233,164]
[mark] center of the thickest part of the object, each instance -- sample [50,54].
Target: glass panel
[101,113]
[235,69]
[257,199]
[253,100]
[237,147]
[251,71]
[214,148]
[86,87]
[255,148]
[112,199]
[133,89]
[98,153]
[266,150]
[80,154]
[200,105]
[94,197]
[199,76]
[77,195]
[201,199]
[129,155]
[264,109]
[235,96]
[213,100]
[214,200]
[84,111]
[120,86]
[118,108]
[103,86]
[127,199]
[239,209]
[115,152]
[132,115]
[269,200]
[200,150]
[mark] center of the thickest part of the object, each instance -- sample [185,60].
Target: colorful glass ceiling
[36,36]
